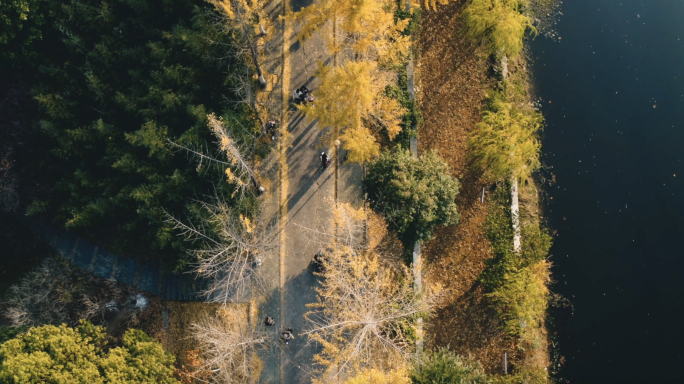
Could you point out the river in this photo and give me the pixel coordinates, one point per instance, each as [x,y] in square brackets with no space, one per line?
[613,96]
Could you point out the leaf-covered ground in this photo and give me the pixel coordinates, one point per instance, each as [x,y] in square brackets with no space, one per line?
[453,81]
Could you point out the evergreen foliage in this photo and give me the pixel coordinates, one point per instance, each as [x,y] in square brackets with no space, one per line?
[501,23]
[414,195]
[119,81]
[50,354]
[445,367]
[506,142]
[20,27]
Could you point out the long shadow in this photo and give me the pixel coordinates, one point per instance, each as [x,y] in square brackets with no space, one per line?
[292,202]
[298,354]
[296,365]
[297,5]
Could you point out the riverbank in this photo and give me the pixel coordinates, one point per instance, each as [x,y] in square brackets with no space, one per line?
[456,77]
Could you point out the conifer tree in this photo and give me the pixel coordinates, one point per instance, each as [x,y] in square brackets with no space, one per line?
[413,194]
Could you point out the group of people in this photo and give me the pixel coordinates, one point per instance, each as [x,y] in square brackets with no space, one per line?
[302,94]
[286,335]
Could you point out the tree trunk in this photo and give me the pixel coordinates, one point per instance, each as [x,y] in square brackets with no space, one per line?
[252,48]
[515,214]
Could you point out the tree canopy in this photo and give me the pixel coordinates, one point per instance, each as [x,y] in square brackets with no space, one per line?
[20,27]
[413,194]
[116,82]
[374,376]
[505,143]
[350,98]
[50,354]
[499,22]
[372,24]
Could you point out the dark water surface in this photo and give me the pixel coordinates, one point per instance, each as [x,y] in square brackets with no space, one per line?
[613,97]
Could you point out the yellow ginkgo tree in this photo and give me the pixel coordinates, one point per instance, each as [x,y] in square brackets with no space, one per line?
[351,99]
[366,26]
[500,23]
[506,145]
[366,40]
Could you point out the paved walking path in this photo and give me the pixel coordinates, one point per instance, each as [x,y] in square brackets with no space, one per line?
[303,200]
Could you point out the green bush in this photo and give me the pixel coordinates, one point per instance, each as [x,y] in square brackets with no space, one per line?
[50,354]
[414,195]
[445,367]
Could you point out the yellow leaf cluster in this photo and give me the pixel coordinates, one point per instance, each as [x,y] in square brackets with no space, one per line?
[374,376]
[351,99]
[371,22]
[500,22]
[506,142]
[231,8]
[247,223]
[432,4]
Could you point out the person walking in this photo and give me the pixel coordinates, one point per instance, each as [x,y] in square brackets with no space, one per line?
[287,335]
[271,129]
[324,159]
[269,321]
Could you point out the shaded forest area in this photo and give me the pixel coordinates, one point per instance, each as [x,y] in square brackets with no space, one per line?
[91,94]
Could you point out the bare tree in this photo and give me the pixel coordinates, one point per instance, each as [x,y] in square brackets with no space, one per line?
[227,346]
[38,298]
[229,249]
[366,311]
[56,292]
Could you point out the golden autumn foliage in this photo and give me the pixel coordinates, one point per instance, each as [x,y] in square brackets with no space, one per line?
[522,299]
[247,12]
[370,23]
[351,99]
[351,96]
[374,376]
[506,142]
[238,170]
[501,23]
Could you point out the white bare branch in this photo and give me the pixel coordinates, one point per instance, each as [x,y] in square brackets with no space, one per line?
[227,343]
[366,310]
[228,256]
